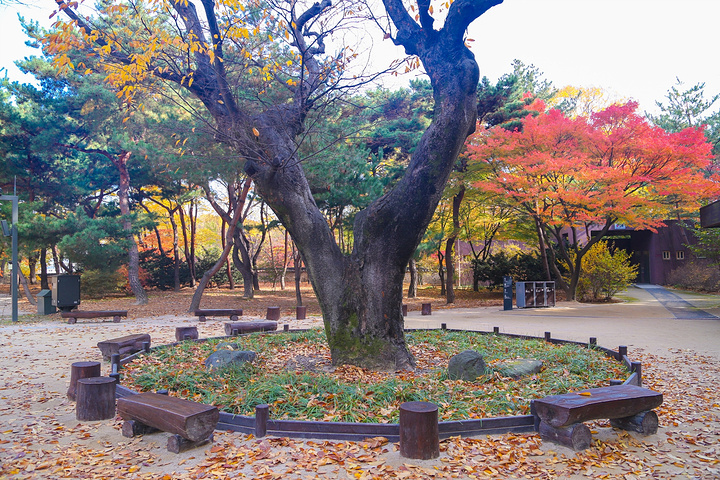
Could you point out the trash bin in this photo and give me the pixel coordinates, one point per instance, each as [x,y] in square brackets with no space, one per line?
[65,291]
[44,303]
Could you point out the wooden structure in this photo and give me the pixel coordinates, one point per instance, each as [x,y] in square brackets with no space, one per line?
[123,346]
[630,406]
[95,399]
[426,309]
[186,333]
[419,432]
[72,316]
[190,423]
[238,328]
[80,370]
[233,313]
[301,312]
[273,313]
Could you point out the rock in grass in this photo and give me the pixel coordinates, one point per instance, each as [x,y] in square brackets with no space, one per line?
[518,368]
[467,365]
[223,358]
[228,346]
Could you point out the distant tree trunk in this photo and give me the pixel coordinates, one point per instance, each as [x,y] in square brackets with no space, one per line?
[120,162]
[441,270]
[32,264]
[58,263]
[24,283]
[197,296]
[286,262]
[228,267]
[43,270]
[450,245]
[258,248]
[412,289]
[542,245]
[157,232]
[188,255]
[176,251]
[243,263]
[297,265]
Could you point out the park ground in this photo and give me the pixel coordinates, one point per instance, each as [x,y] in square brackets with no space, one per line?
[40,437]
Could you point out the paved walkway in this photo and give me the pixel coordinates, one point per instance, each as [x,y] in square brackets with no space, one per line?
[652,318]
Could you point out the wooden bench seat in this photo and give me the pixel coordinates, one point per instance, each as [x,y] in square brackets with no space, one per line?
[233,313]
[238,328]
[72,316]
[190,423]
[123,346]
[627,406]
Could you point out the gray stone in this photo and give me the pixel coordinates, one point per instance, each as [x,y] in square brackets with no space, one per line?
[467,365]
[228,346]
[222,358]
[518,368]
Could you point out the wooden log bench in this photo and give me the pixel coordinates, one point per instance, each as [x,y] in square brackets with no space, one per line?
[233,313]
[72,316]
[238,328]
[628,407]
[123,346]
[190,424]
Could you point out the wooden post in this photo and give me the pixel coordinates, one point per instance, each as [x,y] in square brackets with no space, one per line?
[615,382]
[115,362]
[115,376]
[443,326]
[592,342]
[547,336]
[622,352]
[146,347]
[262,414]
[496,330]
[426,309]
[186,333]
[80,370]
[273,313]
[419,431]
[404,309]
[95,399]
[286,327]
[636,367]
[301,312]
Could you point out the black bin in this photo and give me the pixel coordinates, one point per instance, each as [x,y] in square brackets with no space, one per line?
[66,291]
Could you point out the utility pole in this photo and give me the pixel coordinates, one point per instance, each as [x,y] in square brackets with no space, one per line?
[13,232]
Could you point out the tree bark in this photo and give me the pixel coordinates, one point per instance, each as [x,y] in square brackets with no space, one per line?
[297,265]
[120,162]
[44,285]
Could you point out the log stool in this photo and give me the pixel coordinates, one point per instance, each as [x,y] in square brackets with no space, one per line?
[95,398]
[426,309]
[419,431]
[186,333]
[301,312]
[273,313]
[80,370]
[404,309]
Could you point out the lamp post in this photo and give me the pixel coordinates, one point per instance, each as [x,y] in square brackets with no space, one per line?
[15,277]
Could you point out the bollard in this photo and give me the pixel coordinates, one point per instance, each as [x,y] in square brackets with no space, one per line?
[80,370]
[301,312]
[262,413]
[426,309]
[273,313]
[419,431]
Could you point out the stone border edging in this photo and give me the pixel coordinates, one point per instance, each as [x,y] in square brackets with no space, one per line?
[347,431]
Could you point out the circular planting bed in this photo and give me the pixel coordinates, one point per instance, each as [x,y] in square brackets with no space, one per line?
[292,373]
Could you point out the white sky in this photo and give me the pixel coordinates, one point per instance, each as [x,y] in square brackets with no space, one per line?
[632,48]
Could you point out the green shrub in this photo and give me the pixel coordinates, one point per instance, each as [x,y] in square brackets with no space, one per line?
[605,272]
[99,283]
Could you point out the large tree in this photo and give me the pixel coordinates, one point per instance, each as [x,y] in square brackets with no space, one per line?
[219,55]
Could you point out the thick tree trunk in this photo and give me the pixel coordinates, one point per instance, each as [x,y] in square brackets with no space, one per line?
[412,289]
[120,162]
[441,270]
[241,259]
[228,264]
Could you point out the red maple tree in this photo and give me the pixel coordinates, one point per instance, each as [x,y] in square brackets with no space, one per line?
[573,174]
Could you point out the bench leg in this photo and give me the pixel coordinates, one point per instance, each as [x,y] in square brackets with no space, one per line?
[202,318]
[116,319]
[72,320]
[644,422]
[133,428]
[177,444]
[576,436]
[233,318]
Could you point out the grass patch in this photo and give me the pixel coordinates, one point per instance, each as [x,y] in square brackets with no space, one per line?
[293,374]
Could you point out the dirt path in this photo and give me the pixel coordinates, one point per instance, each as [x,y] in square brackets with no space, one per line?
[40,438]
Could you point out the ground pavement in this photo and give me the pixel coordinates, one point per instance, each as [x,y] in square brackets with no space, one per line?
[676,336]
